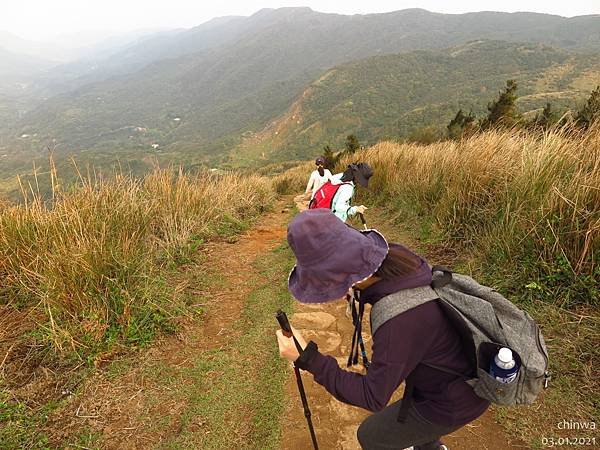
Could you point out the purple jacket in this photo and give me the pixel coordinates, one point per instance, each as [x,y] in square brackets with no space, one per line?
[400,346]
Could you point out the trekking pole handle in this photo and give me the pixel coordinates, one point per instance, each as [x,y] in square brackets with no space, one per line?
[362,219]
[284,323]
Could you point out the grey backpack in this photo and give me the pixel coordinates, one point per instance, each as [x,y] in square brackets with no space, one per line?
[485,321]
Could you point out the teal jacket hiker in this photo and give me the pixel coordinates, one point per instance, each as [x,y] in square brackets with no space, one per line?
[340,204]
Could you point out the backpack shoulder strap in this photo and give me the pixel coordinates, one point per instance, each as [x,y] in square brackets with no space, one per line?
[440,281]
[399,302]
[337,188]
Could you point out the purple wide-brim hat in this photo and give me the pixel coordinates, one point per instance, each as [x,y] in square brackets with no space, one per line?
[330,256]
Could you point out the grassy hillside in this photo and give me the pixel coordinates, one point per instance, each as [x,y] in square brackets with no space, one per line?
[101,271]
[393,96]
[234,76]
[91,273]
[519,201]
[99,254]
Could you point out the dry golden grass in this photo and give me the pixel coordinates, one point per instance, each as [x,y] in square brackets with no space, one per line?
[511,196]
[89,260]
[293,180]
[192,205]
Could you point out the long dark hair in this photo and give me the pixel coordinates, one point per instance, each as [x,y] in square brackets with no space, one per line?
[398,262]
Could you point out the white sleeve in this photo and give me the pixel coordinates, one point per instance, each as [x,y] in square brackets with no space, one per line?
[337,178]
[311,182]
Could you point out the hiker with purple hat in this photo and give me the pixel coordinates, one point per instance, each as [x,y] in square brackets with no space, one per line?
[420,343]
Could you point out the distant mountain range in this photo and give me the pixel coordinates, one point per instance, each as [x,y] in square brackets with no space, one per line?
[211,94]
[40,50]
[15,66]
[69,47]
[391,96]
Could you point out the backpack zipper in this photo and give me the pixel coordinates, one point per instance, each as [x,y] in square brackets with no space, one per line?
[547,376]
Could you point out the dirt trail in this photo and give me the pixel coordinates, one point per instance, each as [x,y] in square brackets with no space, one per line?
[335,422]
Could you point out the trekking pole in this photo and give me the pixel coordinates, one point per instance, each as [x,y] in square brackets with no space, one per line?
[362,219]
[360,343]
[287,332]
[366,363]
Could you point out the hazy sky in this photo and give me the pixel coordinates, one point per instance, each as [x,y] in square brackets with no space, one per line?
[39,19]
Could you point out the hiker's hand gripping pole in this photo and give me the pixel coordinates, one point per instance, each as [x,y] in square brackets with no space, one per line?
[286,329]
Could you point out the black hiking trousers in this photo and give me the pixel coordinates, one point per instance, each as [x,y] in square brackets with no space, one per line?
[383,431]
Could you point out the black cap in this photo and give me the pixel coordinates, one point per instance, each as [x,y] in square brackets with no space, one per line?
[361,173]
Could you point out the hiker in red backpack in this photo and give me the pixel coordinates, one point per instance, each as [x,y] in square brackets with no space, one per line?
[318,177]
[421,344]
[337,195]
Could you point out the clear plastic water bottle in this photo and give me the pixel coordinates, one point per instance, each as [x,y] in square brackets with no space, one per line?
[503,367]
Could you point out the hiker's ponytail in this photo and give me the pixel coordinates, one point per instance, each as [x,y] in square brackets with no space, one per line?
[320,162]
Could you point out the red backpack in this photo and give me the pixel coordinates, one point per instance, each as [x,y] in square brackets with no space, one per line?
[324,196]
